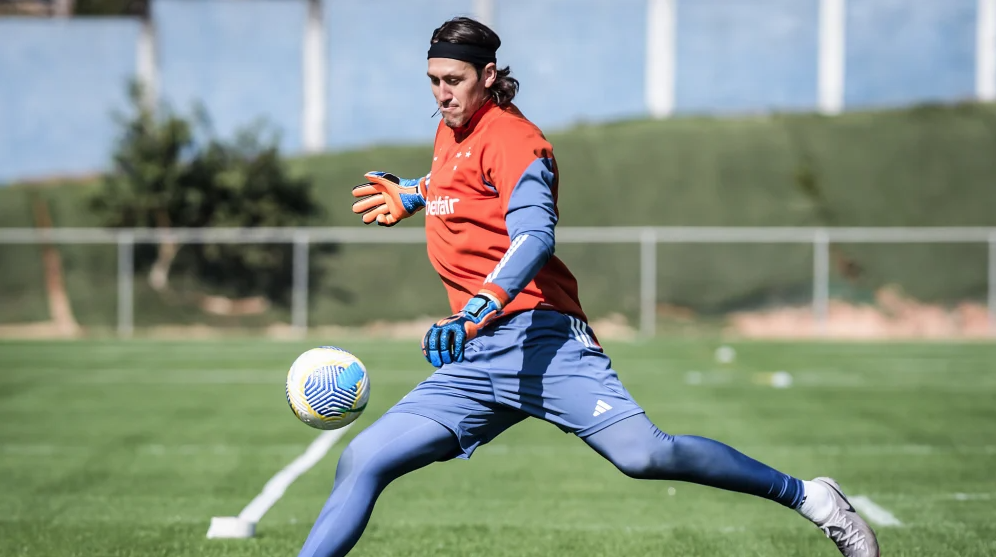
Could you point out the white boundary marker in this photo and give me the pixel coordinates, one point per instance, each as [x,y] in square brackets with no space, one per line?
[244,525]
[873,512]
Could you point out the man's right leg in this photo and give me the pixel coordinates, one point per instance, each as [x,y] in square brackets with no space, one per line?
[394,445]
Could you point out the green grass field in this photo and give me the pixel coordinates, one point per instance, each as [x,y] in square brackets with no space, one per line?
[128,449]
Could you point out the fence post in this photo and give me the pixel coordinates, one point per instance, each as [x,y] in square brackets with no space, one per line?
[648,283]
[992,282]
[299,294]
[821,279]
[126,284]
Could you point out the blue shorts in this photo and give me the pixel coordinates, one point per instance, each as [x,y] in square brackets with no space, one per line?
[543,364]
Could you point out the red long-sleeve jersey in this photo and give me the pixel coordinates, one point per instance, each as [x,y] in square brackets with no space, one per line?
[492,192]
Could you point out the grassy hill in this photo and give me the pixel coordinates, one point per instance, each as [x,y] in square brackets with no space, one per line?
[923,166]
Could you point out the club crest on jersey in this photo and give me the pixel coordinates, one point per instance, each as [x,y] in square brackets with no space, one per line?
[441,205]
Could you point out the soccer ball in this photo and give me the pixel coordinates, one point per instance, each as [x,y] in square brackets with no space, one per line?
[327,387]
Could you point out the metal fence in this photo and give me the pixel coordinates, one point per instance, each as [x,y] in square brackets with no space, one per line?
[648,238]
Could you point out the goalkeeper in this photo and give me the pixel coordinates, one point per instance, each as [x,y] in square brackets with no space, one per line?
[518,344]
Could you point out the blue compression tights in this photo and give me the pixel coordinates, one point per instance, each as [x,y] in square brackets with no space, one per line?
[400,443]
[391,447]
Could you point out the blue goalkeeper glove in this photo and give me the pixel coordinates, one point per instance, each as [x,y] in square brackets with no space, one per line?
[444,342]
[388,199]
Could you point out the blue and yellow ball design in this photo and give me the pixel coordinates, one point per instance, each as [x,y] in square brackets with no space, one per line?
[327,387]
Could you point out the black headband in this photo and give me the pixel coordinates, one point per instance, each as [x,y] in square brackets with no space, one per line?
[476,55]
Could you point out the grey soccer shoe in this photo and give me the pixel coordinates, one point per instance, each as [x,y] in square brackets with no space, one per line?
[853,536]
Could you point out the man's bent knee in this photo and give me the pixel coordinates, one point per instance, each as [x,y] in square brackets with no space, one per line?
[636,463]
[643,462]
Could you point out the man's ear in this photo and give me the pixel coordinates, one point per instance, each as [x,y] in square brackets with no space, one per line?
[490,74]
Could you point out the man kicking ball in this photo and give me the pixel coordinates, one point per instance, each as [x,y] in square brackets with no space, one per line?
[518,344]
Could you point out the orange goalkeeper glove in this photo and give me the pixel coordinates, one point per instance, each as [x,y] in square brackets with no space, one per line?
[388,199]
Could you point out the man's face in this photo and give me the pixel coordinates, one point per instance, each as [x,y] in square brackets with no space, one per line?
[458,90]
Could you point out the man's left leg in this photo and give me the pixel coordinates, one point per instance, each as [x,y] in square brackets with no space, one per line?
[640,450]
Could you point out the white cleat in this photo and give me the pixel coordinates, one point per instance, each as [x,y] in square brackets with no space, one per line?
[853,536]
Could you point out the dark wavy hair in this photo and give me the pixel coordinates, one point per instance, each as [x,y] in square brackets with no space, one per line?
[464,30]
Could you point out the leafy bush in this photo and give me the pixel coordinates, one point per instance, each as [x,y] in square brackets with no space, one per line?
[171,172]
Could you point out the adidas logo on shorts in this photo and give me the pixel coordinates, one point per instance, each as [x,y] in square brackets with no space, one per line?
[601,407]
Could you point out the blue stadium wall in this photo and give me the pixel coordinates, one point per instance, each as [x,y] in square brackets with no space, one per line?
[60,84]
[578,61]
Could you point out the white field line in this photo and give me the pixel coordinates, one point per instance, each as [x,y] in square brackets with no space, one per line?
[278,484]
[873,512]
[907,498]
[973,496]
[839,379]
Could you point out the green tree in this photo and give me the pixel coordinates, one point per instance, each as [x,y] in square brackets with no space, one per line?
[171,172]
